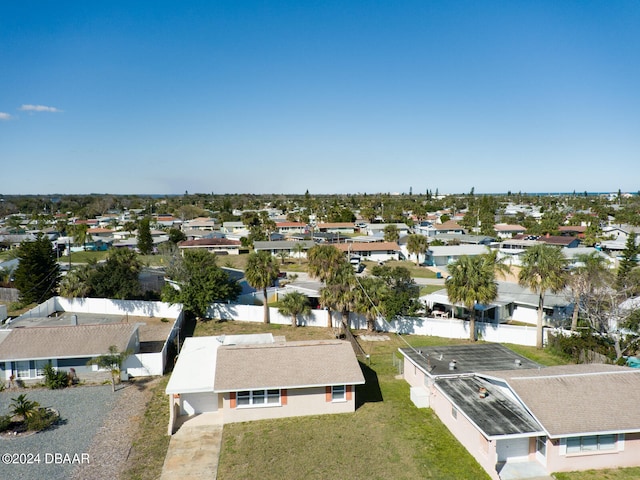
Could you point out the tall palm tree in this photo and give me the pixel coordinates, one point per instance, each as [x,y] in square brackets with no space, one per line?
[324,261]
[472,280]
[543,269]
[294,304]
[261,271]
[417,245]
[368,299]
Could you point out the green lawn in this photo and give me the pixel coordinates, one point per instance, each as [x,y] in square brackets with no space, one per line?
[427,289]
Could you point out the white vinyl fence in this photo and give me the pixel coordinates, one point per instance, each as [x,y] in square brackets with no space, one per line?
[448,328]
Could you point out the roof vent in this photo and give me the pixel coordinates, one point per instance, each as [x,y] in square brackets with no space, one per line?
[518,362]
[452,365]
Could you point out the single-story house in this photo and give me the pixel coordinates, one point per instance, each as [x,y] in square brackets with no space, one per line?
[68,331]
[449,227]
[219,246]
[287,228]
[515,416]
[504,230]
[377,229]
[514,302]
[24,352]
[336,227]
[253,377]
[557,240]
[289,246]
[374,251]
[441,256]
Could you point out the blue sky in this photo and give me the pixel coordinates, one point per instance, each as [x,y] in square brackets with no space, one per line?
[330,96]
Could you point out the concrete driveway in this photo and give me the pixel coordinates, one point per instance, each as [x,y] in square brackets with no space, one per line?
[194,449]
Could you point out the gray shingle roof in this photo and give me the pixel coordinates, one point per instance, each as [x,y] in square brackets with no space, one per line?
[286,365]
[580,399]
[65,342]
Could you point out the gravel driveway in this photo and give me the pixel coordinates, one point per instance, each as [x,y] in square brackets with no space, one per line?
[95,422]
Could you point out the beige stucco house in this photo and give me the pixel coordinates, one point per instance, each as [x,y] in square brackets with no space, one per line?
[514,416]
[253,377]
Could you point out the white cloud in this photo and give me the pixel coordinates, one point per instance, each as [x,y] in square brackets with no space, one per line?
[5,116]
[38,108]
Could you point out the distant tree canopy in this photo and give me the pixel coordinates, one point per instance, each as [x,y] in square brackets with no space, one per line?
[37,275]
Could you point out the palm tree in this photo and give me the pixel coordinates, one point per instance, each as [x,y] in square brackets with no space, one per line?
[294,304]
[261,271]
[391,233]
[472,281]
[543,269]
[590,274]
[21,407]
[417,244]
[77,283]
[368,299]
[298,248]
[324,261]
[111,361]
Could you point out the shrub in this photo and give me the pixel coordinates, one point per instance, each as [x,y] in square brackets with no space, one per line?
[41,419]
[55,379]
[3,385]
[5,422]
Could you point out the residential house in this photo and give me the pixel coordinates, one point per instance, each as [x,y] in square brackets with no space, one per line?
[339,227]
[377,229]
[449,227]
[68,332]
[24,352]
[504,230]
[375,251]
[441,256]
[290,247]
[509,412]
[288,228]
[241,378]
[219,246]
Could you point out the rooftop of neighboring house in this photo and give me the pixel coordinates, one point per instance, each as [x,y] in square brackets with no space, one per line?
[448,360]
[367,247]
[208,242]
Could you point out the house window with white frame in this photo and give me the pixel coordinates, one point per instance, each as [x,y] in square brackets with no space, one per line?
[591,443]
[23,369]
[339,393]
[258,398]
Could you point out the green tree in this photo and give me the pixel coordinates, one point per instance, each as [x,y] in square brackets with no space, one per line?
[417,245]
[543,269]
[402,296]
[339,292]
[628,262]
[294,304]
[261,271]
[118,276]
[590,274]
[77,282]
[38,274]
[176,235]
[391,233]
[198,282]
[472,281]
[111,361]
[324,261]
[145,241]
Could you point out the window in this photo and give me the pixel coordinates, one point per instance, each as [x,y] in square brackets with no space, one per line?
[338,393]
[257,398]
[40,364]
[22,369]
[591,443]
[541,446]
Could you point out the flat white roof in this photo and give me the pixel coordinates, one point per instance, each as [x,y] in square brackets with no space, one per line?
[195,369]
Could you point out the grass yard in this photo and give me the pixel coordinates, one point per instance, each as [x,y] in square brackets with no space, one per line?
[427,289]
[416,271]
[632,473]
[150,446]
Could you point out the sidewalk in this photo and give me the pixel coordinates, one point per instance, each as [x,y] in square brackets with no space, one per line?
[194,449]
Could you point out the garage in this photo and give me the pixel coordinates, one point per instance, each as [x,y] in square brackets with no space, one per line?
[513,450]
[192,403]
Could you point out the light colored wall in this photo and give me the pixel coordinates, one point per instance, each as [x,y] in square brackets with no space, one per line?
[483,450]
[627,455]
[300,402]
[448,328]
